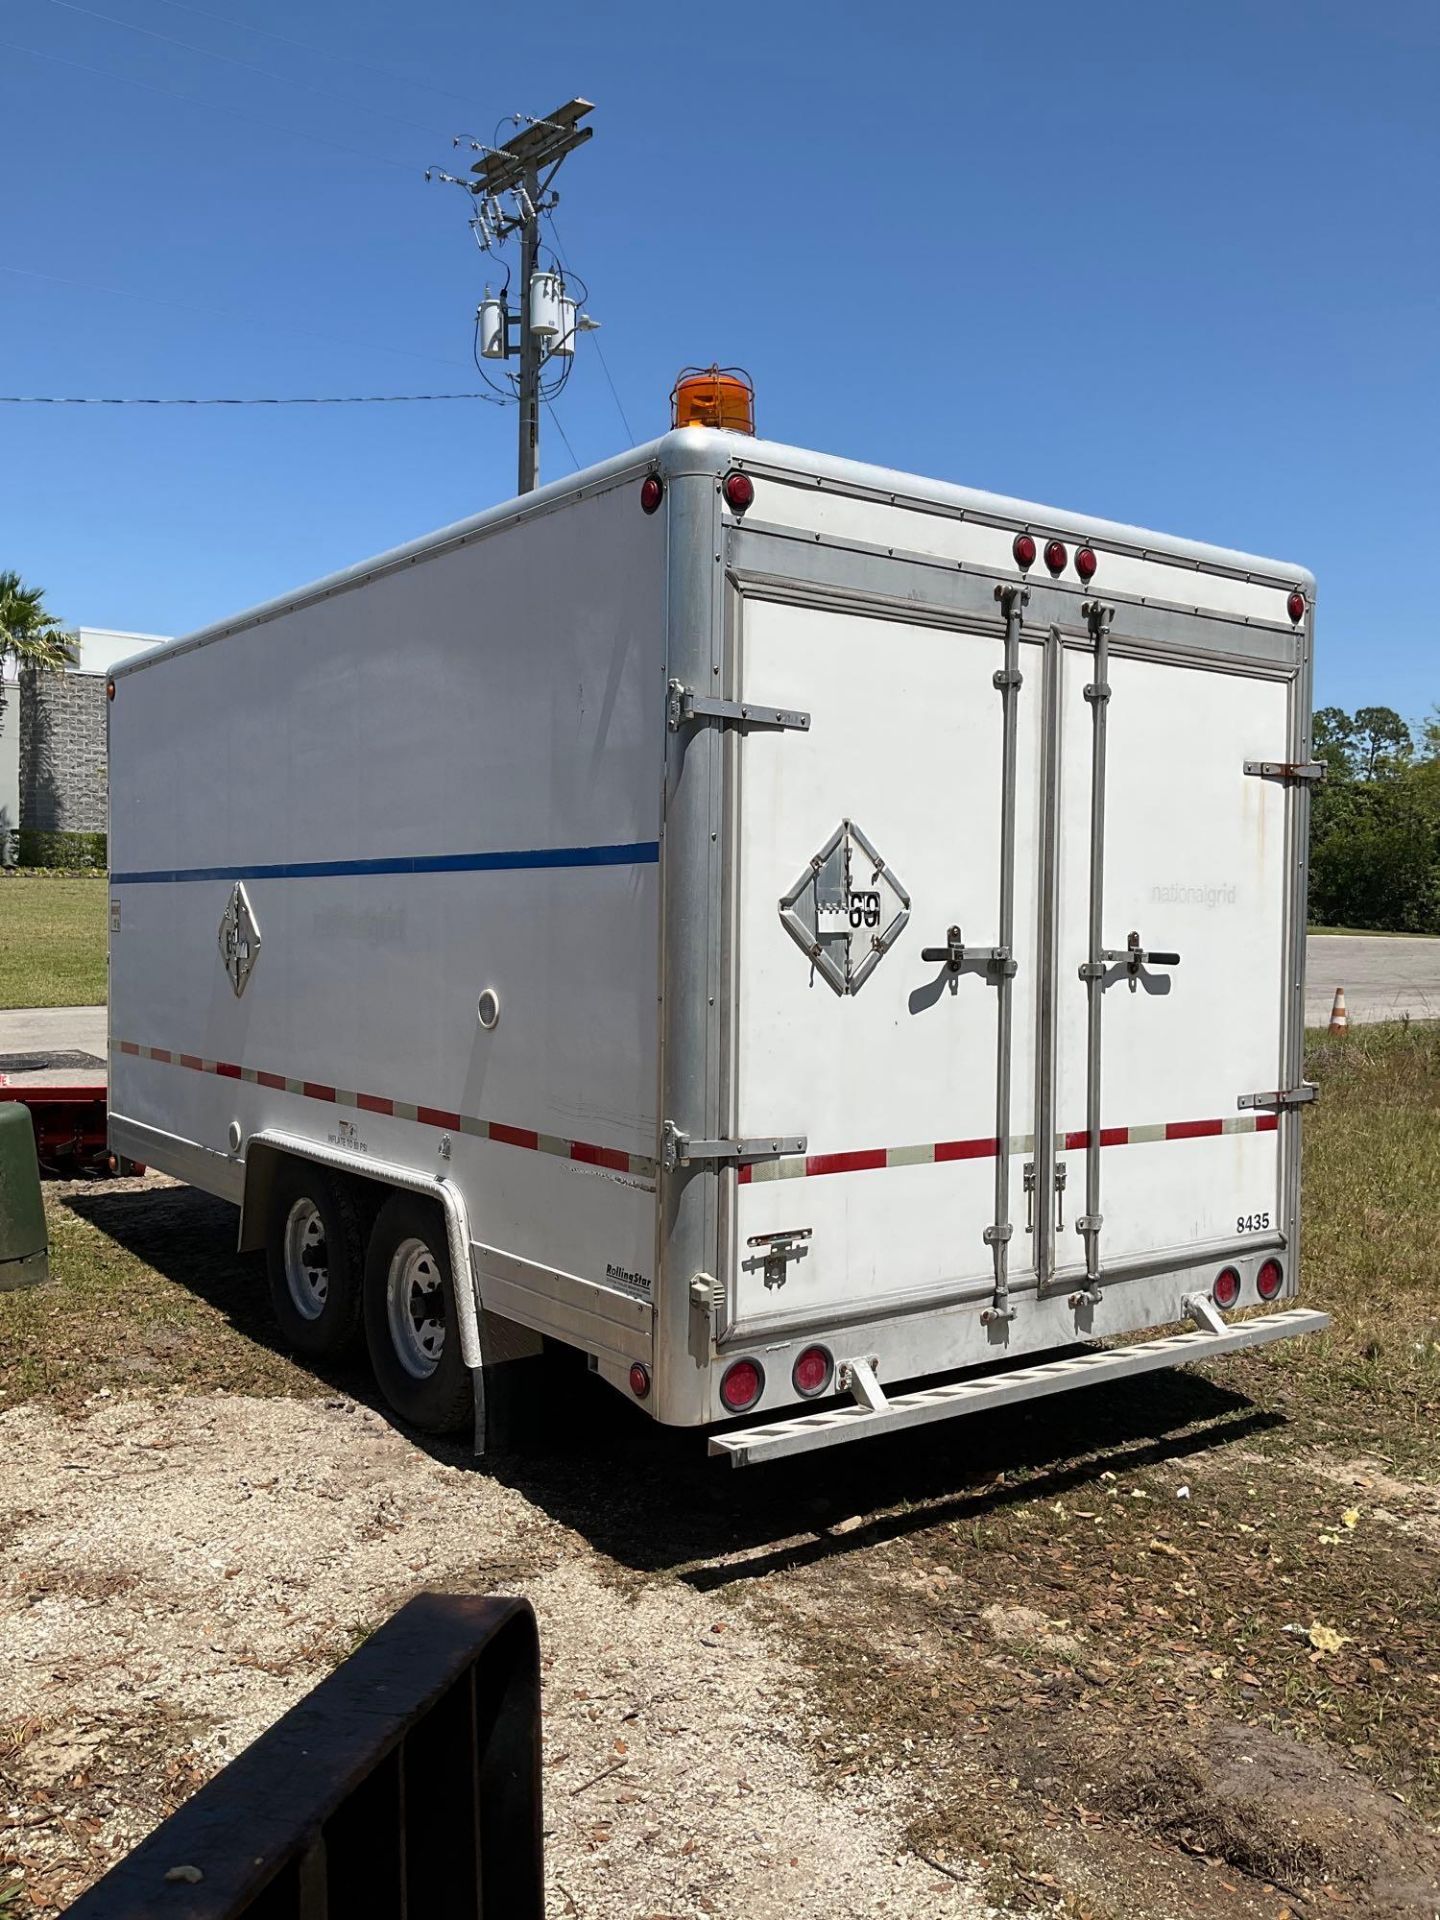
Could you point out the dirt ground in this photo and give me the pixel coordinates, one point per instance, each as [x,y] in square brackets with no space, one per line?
[193,1565]
[1167,1651]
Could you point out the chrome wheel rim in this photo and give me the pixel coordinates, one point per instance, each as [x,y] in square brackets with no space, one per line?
[415,1308]
[307,1260]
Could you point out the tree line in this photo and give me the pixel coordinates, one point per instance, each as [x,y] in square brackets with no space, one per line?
[1375,822]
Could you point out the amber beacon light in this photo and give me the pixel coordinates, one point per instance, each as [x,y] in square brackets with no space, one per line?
[714,397]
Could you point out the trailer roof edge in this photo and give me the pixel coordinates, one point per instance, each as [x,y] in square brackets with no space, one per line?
[700,451]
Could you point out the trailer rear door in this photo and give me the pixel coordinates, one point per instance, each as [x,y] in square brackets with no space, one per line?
[867,838]
[1192,861]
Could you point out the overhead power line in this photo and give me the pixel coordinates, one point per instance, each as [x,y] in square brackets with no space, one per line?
[244,315]
[239,400]
[600,351]
[563,435]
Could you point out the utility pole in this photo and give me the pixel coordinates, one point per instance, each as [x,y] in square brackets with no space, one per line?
[529,476]
[522,171]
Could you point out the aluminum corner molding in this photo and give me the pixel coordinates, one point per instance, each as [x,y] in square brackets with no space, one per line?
[691,853]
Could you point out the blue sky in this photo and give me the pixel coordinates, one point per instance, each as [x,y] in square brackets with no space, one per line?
[1169,264]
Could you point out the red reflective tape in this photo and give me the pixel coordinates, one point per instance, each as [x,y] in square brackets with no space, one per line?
[1267,1122]
[192,1060]
[1109,1137]
[1077,1142]
[227,1070]
[591,1156]
[514,1136]
[1192,1129]
[863,1160]
[435,1117]
[276,1080]
[128,1046]
[162,1054]
[966,1149]
[317,1092]
[374,1103]
[745,1175]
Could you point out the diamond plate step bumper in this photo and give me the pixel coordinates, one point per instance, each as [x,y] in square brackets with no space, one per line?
[828,1428]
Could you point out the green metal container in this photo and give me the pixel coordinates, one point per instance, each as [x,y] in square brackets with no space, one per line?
[24,1243]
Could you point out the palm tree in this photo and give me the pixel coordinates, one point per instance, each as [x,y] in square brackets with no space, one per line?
[29,634]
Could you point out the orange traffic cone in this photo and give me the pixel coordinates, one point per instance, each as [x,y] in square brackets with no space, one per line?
[1339,1013]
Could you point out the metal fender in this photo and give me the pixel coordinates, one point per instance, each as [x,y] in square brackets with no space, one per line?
[263,1150]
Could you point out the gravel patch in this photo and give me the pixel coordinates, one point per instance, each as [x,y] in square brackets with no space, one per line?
[177,1572]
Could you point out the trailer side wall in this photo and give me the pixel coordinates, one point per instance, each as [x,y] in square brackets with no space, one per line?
[443,779]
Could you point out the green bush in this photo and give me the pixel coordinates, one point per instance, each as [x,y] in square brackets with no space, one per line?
[1375,823]
[73,851]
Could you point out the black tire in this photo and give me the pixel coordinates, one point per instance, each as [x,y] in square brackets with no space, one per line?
[410,1324]
[314,1231]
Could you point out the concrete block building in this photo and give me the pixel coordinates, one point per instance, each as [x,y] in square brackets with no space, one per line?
[53,775]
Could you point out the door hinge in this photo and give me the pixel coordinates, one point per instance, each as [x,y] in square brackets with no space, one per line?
[1314,770]
[686,706]
[677,1149]
[1300,1096]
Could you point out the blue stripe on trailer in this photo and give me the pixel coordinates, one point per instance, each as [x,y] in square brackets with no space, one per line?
[637,853]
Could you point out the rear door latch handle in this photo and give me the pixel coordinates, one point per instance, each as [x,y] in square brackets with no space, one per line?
[955,953]
[1132,956]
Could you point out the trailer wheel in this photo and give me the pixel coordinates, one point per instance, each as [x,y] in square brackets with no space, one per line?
[313,1254]
[410,1317]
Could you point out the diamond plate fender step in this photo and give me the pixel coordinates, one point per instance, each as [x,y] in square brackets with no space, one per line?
[833,1425]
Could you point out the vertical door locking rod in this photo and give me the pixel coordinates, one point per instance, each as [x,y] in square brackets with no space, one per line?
[1007,681]
[1097,693]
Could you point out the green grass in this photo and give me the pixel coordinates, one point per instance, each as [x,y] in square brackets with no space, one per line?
[146,1293]
[1370,1253]
[52,940]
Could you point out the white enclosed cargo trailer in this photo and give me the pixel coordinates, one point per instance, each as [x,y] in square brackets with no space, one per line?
[793,932]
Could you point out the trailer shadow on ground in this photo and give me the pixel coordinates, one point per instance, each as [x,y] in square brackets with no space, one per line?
[654,1501]
[651,1498]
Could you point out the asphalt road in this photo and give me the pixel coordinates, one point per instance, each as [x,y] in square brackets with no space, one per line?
[1385,978]
[32,1036]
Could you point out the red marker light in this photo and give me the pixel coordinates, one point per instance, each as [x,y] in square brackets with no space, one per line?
[639,1380]
[811,1374]
[1269,1280]
[1024,550]
[1295,606]
[1226,1290]
[739,490]
[1056,556]
[742,1385]
[109,689]
[1086,563]
[652,492]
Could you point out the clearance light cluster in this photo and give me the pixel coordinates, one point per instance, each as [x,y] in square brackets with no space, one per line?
[743,1381]
[737,487]
[1269,1282]
[1057,557]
